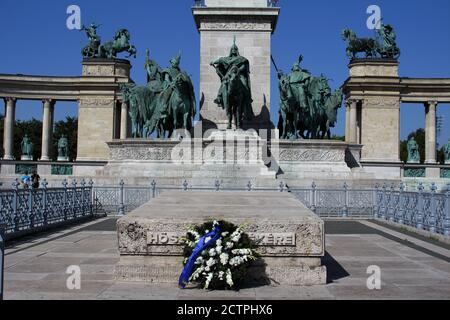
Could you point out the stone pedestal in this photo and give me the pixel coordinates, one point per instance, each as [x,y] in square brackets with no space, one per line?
[63,159]
[96,112]
[232,157]
[379,114]
[252,23]
[293,238]
[26,158]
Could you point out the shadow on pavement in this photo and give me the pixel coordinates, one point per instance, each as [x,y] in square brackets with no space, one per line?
[334,270]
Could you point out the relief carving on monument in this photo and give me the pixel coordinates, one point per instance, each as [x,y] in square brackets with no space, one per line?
[98,70]
[381,102]
[247,26]
[132,238]
[312,155]
[142,153]
[96,103]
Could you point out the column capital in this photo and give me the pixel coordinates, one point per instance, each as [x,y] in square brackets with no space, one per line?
[433,103]
[10,99]
[48,101]
[353,101]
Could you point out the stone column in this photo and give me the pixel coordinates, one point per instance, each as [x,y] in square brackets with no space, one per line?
[430,133]
[47,129]
[347,121]
[353,130]
[124,121]
[8,143]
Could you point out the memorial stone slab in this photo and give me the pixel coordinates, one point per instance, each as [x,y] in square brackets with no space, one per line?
[289,237]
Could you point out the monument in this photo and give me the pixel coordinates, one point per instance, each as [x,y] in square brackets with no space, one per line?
[27,149]
[127,130]
[308,108]
[251,23]
[447,152]
[413,151]
[290,238]
[63,149]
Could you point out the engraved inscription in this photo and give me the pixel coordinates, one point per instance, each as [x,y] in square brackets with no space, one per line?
[261,239]
[165,239]
[273,239]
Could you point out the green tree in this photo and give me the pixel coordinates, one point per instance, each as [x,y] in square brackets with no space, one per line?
[338,138]
[419,136]
[441,156]
[68,127]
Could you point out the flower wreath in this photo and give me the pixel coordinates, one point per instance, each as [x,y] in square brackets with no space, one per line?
[217,256]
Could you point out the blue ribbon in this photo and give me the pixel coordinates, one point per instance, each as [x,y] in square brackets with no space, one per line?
[201,245]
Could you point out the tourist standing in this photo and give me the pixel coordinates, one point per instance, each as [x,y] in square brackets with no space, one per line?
[35,180]
[26,181]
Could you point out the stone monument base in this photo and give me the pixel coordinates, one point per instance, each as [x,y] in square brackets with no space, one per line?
[234,158]
[291,237]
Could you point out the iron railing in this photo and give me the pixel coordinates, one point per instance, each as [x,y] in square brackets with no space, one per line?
[420,209]
[23,210]
[2,258]
[423,210]
[343,202]
[28,210]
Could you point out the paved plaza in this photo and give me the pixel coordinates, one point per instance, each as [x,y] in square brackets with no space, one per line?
[411,267]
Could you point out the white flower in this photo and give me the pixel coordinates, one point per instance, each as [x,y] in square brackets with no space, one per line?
[224,234]
[208,279]
[195,234]
[229,278]
[224,258]
[236,236]
[206,231]
[215,223]
[229,245]
[207,239]
[212,252]
[196,274]
[199,260]
[221,274]
[242,251]
[211,262]
[219,242]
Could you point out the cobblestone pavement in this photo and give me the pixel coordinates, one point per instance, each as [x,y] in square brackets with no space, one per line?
[410,268]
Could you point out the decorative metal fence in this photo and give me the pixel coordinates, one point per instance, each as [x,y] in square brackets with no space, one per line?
[423,210]
[343,202]
[2,258]
[27,210]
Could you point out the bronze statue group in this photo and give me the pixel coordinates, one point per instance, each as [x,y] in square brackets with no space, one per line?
[308,107]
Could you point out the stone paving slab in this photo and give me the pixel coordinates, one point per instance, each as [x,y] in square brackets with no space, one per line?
[38,272]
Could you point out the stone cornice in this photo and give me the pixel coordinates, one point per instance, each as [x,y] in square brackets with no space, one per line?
[58,88]
[250,16]
[409,90]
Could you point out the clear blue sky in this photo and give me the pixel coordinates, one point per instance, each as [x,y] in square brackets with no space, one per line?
[35,40]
